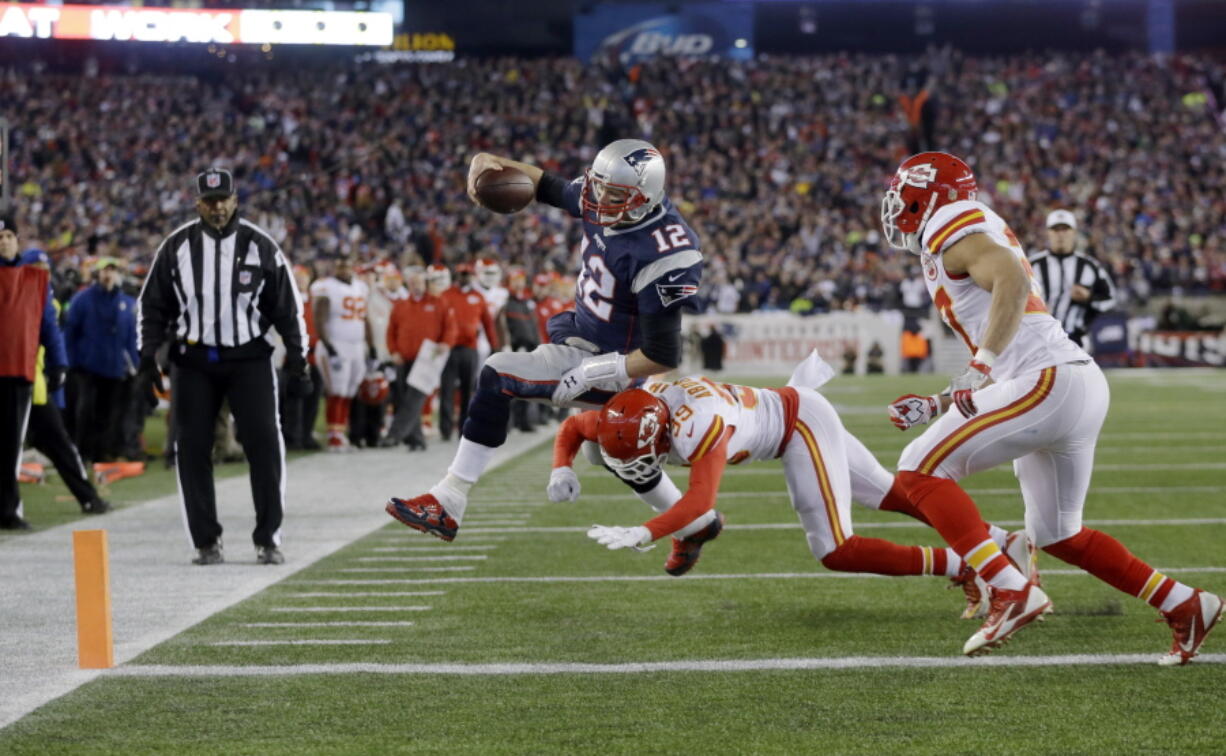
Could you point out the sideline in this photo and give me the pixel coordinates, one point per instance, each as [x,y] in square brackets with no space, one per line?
[156,593]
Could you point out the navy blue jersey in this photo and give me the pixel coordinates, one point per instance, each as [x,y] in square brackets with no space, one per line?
[649,268]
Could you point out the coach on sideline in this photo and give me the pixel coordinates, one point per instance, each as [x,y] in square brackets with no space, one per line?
[215,287]
[1076,287]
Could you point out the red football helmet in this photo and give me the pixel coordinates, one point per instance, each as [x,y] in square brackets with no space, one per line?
[374,389]
[633,435]
[923,183]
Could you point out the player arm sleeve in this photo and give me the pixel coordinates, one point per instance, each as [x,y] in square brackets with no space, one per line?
[572,434]
[705,474]
[554,190]
[662,337]
[156,306]
[282,305]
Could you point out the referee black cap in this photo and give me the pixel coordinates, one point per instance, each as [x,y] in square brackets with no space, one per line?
[8,222]
[215,182]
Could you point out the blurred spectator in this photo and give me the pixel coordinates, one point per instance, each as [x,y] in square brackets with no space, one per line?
[875,365]
[100,334]
[460,374]
[518,330]
[914,348]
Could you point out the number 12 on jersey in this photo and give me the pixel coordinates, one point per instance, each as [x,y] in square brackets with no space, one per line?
[596,285]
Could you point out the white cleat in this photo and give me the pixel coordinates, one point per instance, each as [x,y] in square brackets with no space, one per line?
[1009,612]
[1190,622]
[1025,557]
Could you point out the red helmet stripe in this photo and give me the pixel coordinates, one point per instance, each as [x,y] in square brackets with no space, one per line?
[709,439]
[961,221]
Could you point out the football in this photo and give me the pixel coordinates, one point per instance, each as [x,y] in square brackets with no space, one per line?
[505,190]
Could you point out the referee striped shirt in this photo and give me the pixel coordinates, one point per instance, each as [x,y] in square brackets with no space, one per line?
[222,289]
[1058,274]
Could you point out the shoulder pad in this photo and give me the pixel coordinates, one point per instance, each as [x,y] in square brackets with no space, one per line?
[952,222]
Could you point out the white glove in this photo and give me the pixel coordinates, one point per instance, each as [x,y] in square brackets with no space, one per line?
[977,375]
[563,485]
[605,370]
[637,538]
[910,410]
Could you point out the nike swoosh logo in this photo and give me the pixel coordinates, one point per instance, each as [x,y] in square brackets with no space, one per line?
[674,278]
[1188,647]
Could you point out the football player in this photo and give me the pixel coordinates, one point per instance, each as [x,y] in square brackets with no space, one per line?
[345,343]
[641,262]
[487,280]
[1029,396]
[707,425]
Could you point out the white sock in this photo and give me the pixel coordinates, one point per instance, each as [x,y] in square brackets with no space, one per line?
[663,496]
[953,563]
[469,463]
[696,525]
[998,535]
[1179,594]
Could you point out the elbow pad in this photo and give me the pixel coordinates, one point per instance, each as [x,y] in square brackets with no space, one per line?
[662,338]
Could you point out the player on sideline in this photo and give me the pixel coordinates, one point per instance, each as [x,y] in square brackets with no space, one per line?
[641,260]
[1029,395]
[345,342]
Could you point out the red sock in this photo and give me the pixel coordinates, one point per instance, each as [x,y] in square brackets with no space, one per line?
[344,404]
[896,501]
[954,515]
[333,412]
[1111,562]
[859,554]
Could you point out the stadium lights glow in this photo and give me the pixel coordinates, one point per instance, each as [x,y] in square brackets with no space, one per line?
[238,26]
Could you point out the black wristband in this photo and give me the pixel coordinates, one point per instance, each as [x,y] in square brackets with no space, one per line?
[662,337]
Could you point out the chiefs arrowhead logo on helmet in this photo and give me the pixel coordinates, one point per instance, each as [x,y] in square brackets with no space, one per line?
[374,389]
[923,184]
[633,436]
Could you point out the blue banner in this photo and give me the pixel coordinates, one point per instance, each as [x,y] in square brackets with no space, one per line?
[637,32]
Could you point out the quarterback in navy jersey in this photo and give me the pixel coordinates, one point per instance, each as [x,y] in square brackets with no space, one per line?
[641,262]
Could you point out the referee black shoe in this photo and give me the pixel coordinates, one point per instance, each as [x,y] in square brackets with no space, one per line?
[269,555]
[209,555]
[96,506]
[14,523]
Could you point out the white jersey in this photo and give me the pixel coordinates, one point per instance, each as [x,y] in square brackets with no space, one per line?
[701,410]
[346,309]
[1040,341]
[495,298]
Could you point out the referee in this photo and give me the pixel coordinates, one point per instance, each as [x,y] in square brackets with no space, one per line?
[1076,287]
[215,288]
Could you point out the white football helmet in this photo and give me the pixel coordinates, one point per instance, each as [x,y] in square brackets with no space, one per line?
[624,184]
[489,272]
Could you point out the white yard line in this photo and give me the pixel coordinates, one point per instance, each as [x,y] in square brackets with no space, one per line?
[361,594]
[407,569]
[736,471]
[696,665]
[398,623]
[440,558]
[692,576]
[292,609]
[302,643]
[1094,491]
[423,549]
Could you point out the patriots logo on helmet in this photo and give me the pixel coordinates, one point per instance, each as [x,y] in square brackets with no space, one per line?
[670,293]
[639,158]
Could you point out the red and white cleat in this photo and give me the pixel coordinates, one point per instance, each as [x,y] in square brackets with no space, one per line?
[424,513]
[974,589]
[1008,612]
[686,550]
[1190,622]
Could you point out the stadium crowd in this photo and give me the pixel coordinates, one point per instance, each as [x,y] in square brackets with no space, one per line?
[779,163]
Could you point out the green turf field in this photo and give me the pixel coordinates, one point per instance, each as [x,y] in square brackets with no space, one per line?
[757,595]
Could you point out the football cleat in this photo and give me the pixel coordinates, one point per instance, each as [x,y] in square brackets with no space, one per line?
[686,550]
[424,513]
[1025,557]
[1190,622]
[974,589]
[1008,612]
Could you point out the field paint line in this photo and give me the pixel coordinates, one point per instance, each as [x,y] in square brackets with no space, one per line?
[302,643]
[287,609]
[361,594]
[696,665]
[439,558]
[423,549]
[1094,491]
[498,522]
[407,569]
[396,623]
[691,577]
[1112,467]
[907,523]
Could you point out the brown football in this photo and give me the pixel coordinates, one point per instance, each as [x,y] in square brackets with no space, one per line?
[505,190]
